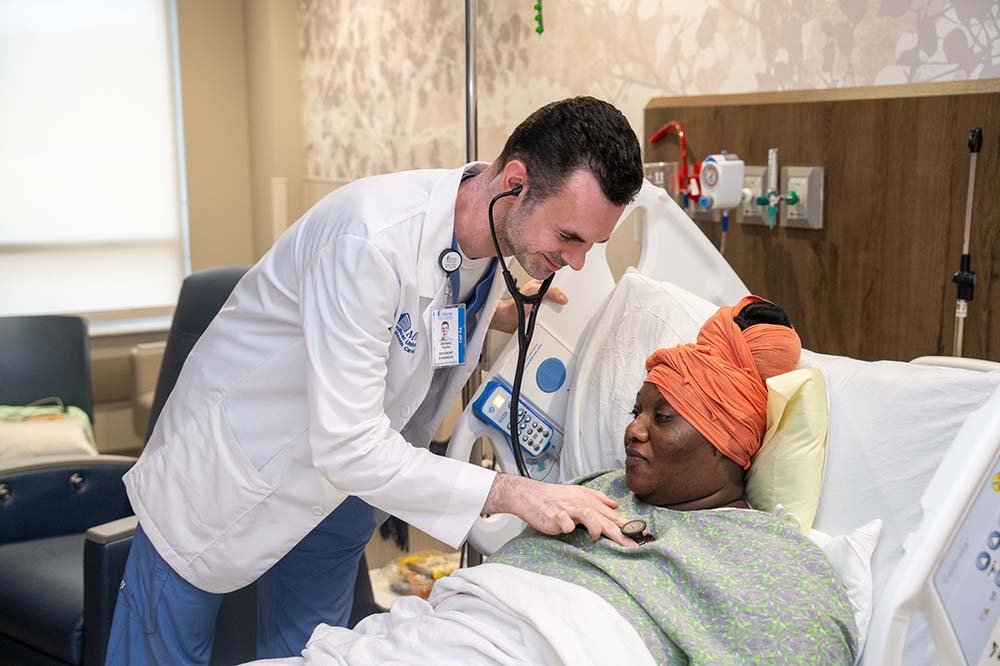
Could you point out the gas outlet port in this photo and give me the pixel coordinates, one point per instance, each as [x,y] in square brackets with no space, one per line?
[755,180]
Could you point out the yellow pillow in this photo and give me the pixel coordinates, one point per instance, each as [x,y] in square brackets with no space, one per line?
[788,469]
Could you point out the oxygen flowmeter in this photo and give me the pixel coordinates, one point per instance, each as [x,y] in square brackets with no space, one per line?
[721,181]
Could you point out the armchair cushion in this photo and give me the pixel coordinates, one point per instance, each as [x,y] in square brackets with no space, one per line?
[42,601]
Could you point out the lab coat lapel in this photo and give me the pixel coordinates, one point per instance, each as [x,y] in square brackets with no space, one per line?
[439,225]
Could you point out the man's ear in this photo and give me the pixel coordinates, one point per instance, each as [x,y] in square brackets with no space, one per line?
[515,174]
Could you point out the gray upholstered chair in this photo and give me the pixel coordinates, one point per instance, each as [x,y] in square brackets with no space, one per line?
[53,611]
[58,583]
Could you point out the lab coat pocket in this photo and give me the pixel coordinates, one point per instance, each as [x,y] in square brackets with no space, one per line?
[268,408]
[204,484]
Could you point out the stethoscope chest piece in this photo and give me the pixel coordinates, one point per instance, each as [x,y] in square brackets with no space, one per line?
[634,529]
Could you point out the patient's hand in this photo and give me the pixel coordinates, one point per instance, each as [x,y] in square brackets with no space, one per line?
[557,509]
[505,317]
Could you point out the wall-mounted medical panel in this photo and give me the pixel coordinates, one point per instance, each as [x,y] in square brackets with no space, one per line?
[803,204]
[755,182]
[871,277]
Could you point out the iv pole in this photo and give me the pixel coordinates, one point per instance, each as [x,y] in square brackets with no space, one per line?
[471,151]
[471,155]
[965,278]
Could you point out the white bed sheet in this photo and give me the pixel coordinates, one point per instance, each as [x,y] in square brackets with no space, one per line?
[489,614]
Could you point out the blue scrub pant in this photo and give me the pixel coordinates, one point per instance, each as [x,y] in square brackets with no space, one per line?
[160,618]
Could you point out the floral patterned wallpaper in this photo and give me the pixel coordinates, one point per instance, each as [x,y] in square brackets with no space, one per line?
[384,81]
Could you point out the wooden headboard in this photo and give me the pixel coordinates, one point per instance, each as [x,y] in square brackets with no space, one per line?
[875,282]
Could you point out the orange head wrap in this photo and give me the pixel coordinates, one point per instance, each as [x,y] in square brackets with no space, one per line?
[717,384]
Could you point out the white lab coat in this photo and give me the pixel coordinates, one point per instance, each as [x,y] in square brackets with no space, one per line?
[297,394]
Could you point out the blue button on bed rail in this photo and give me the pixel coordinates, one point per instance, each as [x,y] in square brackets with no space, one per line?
[551,375]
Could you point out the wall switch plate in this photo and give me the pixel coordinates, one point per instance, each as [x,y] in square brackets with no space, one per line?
[755,180]
[807,182]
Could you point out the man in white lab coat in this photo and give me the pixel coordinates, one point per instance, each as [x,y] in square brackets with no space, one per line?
[312,396]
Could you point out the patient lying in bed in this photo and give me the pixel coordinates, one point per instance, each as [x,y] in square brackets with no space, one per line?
[717,583]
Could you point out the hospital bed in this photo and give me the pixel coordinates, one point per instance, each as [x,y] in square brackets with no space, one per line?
[915,445]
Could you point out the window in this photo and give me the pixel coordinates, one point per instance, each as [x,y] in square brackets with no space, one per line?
[91,194]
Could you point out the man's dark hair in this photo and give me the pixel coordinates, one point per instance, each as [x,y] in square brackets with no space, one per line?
[577,133]
[761,312]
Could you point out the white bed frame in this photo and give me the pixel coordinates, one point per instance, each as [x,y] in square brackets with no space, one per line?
[941,555]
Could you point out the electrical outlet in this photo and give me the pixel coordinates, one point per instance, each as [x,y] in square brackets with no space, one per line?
[807,183]
[755,180]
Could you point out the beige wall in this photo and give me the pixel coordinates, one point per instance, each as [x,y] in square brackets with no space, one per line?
[216,131]
[275,97]
[383,81]
[240,73]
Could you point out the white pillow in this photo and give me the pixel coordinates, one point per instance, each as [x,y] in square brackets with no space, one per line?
[640,316]
[851,557]
[890,425]
[24,434]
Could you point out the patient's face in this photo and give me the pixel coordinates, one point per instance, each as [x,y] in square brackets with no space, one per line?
[667,461]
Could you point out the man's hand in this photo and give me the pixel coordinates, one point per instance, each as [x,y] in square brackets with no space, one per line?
[557,509]
[505,318]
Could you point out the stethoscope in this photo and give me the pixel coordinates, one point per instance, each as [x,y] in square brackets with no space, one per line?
[635,530]
[525,329]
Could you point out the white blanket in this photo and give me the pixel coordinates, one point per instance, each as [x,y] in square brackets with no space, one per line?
[490,614]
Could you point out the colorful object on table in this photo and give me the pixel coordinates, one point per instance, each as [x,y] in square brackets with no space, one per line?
[415,573]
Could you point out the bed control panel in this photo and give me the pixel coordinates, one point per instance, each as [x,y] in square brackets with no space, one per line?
[968,579]
[537,436]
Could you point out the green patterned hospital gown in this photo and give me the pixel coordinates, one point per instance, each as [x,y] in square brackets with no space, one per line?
[715,587]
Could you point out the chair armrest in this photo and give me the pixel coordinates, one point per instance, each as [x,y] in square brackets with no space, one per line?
[35,463]
[105,553]
[55,495]
[113,531]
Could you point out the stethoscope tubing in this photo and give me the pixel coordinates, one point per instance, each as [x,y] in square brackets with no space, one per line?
[525,331]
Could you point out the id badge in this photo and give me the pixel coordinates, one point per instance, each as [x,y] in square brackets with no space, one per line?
[448,336]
